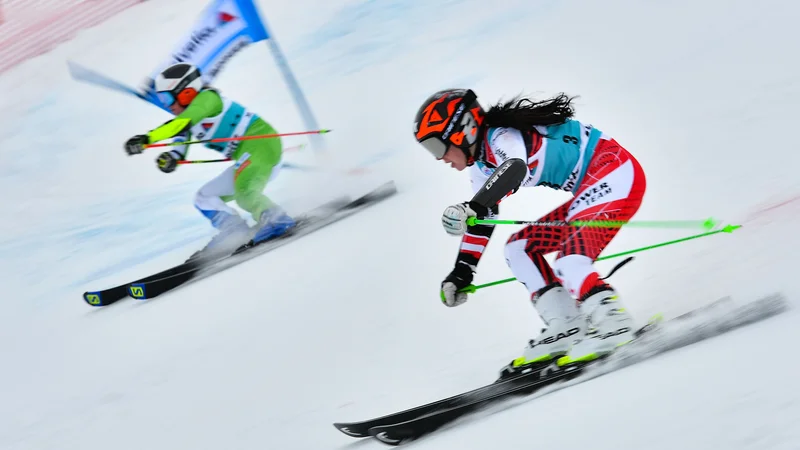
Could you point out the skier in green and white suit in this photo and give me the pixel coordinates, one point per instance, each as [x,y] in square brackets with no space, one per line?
[201,113]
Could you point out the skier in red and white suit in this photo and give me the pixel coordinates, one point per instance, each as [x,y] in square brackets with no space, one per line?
[561,153]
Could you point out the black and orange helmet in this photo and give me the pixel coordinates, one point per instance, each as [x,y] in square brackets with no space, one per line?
[449,117]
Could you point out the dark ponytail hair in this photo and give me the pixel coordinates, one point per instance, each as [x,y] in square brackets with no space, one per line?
[524,113]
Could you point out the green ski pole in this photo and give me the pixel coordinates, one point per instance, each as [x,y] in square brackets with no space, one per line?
[727,229]
[707,224]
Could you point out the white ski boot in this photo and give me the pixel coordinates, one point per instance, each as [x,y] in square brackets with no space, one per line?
[233,232]
[564,324]
[609,326]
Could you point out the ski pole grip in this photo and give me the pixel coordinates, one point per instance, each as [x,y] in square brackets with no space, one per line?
[469,289]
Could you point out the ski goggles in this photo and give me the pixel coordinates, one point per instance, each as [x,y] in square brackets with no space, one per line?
[166,98]
[183,98]
[436,146]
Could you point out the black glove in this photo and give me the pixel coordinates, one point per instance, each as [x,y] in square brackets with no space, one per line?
[136,144]
[168,161]
[458,279]
[481,211]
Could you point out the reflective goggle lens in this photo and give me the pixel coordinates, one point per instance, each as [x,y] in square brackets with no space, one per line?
[435,146]
[166,98]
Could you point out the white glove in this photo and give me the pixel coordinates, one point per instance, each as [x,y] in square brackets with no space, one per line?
[450,295]
[454,218]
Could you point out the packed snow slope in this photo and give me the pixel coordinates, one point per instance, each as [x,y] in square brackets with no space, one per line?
[346,323]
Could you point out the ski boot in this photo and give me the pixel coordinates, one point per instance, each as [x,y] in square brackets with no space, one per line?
[273,223]
[564,324]
[233,232]
[609,327]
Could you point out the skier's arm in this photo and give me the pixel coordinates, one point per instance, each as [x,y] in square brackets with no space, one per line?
[475,240]
[477,237]
[207,104]
[490,188]
[509,154]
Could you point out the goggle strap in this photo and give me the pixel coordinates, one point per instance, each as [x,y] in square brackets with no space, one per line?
[468,99]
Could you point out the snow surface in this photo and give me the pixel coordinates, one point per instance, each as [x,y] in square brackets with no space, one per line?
[346,323]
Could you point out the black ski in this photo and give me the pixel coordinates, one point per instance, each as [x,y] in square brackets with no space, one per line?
[399,433]
[534,377]
[192,269]
[112,295]
[161,281]
[169,279]
[705,322]
[361,429]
